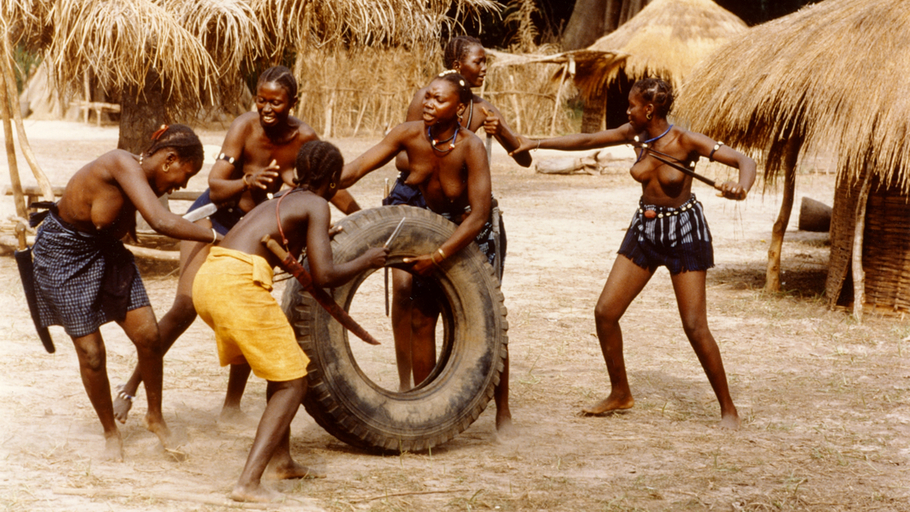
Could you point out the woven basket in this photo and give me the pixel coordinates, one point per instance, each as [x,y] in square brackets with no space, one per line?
[886,250]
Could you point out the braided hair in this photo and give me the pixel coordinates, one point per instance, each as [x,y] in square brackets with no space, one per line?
[465,95]
[317,161]
[457,49]
[281,76]
[182,139]
[657,92]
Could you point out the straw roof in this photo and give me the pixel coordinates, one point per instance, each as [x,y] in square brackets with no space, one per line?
[202,45]
[831,73]
[666,38]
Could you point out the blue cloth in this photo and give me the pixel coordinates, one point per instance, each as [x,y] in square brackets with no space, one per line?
[222,220]
[402,193]
[677,238]
[83,280]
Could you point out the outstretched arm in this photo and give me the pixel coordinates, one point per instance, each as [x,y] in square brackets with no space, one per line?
[137,189]
[375,157]
[494,124]
[579,141]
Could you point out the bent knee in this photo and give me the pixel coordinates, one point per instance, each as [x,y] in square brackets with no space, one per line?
[604,313]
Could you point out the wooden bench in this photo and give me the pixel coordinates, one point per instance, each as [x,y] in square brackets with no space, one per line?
[98,107]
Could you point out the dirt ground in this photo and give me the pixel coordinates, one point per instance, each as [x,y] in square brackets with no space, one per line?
[825,401]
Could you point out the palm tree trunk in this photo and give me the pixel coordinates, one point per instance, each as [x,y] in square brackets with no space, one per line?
[15,182]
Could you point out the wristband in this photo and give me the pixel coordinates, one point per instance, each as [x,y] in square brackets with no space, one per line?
[246,184]
[441,253]
[214,236]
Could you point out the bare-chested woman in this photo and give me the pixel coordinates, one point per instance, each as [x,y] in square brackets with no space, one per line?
[467,56]
[449,168]
[668,229]
[85,277]
[256,159]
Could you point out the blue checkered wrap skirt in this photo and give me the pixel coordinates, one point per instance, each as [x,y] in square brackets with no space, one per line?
[677,238]
[83,280]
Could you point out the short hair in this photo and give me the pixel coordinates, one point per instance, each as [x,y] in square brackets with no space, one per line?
[657,92]
[457,48]
[465,95]
[281,76]
[317,161]
[182,139]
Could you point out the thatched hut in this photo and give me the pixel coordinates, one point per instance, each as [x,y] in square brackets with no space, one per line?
[826,81]
[667,38]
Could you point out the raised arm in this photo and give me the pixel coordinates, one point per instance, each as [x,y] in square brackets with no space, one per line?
[579,141]
[376,156]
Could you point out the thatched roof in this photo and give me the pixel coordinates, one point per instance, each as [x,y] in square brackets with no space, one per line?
[832,73]
[666,38]
[199,46]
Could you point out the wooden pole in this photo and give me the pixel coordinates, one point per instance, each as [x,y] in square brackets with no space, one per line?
[556,106]
[47,191]
[772,274]
[15,182]
[856,258]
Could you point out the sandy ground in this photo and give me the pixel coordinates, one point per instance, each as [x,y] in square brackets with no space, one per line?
[824,400]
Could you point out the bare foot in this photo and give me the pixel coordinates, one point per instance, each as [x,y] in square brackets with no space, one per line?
[294,469]
[113,447]
[505,429]
[257,494]
[123,402]
[236,417]
[730,421]
[169,439]
[610,404]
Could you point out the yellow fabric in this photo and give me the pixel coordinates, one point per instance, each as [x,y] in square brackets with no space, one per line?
[231,294]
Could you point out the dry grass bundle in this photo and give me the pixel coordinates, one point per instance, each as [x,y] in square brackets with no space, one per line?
[120,41]
[827,74]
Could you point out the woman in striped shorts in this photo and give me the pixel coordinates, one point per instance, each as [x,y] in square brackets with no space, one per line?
[668,229]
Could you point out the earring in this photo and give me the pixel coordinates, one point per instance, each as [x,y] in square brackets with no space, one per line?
[332,185]
[649,116]
[167,167]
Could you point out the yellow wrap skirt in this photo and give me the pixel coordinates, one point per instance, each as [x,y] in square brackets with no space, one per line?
[232,293]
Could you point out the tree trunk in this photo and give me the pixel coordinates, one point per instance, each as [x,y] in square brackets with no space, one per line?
[611,16]
[772,275]
[142,111]
[585,25]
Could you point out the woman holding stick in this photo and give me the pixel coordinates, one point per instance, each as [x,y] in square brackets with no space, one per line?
[668,229]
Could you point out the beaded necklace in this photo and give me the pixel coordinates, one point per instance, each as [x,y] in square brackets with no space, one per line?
[644,145]
[434,142]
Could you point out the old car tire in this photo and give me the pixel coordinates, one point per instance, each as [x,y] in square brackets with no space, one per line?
[350,406]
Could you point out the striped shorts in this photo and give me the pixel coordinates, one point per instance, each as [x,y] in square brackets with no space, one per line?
[677,238]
